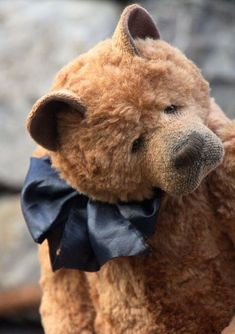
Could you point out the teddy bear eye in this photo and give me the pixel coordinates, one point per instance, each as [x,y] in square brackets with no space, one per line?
[170,109]
[136,144]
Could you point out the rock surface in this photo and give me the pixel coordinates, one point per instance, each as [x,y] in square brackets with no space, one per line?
[18,260]
[204,30]
[36,39]
[19,272]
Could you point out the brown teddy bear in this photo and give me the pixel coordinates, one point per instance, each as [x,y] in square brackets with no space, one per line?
[128,126]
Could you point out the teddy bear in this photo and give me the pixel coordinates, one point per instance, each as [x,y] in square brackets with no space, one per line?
[131,192]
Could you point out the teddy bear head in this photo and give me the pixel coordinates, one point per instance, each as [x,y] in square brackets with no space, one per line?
[129,116]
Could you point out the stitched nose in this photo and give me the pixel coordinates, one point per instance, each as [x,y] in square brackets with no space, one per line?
[189,150]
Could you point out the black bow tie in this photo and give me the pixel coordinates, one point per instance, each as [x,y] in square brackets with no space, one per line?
[81,233]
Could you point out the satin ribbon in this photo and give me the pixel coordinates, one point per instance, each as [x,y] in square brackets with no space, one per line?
[83,234]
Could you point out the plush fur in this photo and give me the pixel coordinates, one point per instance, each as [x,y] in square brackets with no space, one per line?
[99,105]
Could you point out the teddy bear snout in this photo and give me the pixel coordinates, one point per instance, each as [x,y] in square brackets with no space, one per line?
[197,148]
[189,150]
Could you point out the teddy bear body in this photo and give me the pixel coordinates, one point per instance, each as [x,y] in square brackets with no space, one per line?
[134,89]
[186,284]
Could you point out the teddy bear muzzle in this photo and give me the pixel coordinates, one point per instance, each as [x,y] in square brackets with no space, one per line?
[183,159]
[193,156]
[199,149]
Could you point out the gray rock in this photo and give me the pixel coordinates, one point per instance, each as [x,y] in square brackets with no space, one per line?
[204,30]
[19,259]
[36,39]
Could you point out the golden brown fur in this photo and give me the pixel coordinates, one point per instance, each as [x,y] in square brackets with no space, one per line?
[186,285]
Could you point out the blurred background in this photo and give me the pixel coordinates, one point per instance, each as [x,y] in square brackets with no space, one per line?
[38,37]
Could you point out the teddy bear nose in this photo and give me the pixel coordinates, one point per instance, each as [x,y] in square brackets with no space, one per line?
[189,150]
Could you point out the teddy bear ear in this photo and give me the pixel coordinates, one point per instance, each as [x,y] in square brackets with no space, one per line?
[42,120]
[135,22]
